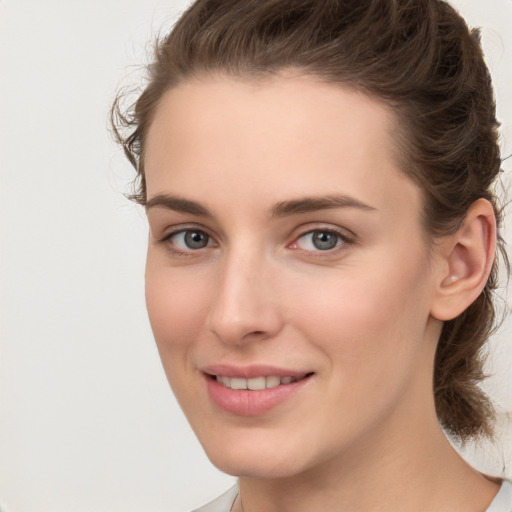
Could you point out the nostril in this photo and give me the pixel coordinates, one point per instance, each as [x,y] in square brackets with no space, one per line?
[254,333]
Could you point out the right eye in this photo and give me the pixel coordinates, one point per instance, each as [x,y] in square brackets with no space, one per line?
[190,240]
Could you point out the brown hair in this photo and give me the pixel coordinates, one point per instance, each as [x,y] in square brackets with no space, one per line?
[417,55]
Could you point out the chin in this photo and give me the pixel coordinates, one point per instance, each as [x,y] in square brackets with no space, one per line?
[257,457]
[262,467]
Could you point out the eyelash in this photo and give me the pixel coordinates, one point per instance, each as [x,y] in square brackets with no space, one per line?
[341,240]
[167,241]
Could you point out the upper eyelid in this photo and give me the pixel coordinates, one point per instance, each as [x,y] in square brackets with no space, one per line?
[343,237]
[174,230]
[339,232]
[311,227]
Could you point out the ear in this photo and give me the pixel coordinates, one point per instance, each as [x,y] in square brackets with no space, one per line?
[466,258]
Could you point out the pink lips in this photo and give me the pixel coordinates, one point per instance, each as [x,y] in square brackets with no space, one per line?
[245,402]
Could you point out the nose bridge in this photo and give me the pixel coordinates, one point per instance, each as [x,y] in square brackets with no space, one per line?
[244,306]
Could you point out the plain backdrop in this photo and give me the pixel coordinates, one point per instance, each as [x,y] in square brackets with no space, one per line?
[87,422]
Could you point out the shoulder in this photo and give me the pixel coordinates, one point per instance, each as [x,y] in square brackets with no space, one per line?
[503,500]
[221,504]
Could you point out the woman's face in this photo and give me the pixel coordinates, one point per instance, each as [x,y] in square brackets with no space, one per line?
[286,255]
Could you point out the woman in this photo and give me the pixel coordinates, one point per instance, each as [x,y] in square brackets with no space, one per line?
[317,178]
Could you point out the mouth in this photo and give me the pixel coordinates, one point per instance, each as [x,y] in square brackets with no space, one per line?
[257,383]
[255,390]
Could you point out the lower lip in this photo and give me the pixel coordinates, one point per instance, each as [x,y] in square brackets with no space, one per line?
[251,403]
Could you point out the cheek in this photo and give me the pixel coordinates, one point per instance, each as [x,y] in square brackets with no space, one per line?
[176,310]
[369,323]
[176,307]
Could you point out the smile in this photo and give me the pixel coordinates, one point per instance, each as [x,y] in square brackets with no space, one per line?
[256,383]
[253,391]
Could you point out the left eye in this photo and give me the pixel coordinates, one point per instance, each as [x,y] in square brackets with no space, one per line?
[191,239]
[319,240]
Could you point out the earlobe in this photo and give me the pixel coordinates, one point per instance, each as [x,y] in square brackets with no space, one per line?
[468,256]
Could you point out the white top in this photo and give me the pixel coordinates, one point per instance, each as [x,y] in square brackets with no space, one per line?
[503,500]
[223,503]
[501,503]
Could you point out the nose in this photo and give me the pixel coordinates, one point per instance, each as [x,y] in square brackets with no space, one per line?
[245,306]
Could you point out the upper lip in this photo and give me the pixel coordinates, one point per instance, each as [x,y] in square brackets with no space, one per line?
[251,371]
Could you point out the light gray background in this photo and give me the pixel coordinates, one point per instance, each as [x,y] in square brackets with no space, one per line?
[87,422]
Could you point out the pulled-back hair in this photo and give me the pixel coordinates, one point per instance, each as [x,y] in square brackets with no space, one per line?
[416,55]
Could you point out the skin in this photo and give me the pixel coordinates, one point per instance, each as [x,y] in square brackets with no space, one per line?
[364,317]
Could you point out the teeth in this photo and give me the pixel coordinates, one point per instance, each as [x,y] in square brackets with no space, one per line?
[238,383]
[272,382]
[256,383]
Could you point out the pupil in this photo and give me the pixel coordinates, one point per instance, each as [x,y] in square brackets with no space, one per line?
[324,241]
[196,239]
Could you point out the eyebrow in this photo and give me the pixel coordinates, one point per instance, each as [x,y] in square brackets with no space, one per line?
[281,209]
[312,204]
[177,204]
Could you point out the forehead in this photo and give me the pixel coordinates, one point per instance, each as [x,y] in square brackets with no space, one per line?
[271,138]
[282,106]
